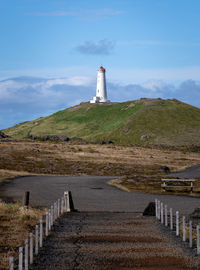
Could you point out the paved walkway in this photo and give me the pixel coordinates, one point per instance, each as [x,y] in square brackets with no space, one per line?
[90,193]
[191,172]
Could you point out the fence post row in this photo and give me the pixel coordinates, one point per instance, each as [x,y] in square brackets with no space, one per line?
[161,214]
[58,208]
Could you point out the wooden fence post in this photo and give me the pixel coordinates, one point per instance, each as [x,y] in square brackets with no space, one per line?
[65,201]
[20,267]
[54,211]
[31,248]
[11,263]
[41,232]
[49,219]
[162,212]
[184,231]
[36,239]
[58,207]
[177,223]
[171,218]
[26,198]
[166,217]
[47,224]
[26,255]
[52,215]
[190,234]
[63,205]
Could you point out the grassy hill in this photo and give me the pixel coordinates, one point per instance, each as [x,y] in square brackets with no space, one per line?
[168,122]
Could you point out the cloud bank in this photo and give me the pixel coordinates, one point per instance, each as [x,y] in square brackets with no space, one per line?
[27,98]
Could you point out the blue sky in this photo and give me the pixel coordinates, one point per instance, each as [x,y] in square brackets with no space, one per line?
[149,48]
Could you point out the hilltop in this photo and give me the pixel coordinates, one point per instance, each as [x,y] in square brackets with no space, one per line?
[141,122]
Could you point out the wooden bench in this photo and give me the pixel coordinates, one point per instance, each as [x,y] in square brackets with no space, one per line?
[166,183]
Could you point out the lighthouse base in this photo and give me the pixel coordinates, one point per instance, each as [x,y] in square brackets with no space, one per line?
[98,100]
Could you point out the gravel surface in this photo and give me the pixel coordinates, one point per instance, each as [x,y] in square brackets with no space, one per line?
[89,193]
[104,240]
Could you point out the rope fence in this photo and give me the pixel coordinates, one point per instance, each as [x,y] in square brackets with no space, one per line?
[183,228]
[32,245]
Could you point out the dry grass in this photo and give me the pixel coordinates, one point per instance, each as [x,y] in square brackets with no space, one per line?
[140,167]
[15,225]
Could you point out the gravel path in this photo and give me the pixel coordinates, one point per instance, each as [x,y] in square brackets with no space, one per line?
[90,193]
[104,240]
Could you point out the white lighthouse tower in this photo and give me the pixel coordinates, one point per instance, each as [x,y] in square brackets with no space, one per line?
[101,92]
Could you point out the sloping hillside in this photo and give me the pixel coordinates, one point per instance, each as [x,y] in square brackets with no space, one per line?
[144,121]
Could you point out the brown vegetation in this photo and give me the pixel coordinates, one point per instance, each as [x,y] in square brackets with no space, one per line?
[15,225]
[138,167]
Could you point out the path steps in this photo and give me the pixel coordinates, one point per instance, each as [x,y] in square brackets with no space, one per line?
[105,240]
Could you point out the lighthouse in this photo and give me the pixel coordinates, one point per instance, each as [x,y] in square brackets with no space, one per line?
[101,91]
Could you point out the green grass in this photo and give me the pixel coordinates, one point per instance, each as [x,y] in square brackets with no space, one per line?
[164,122]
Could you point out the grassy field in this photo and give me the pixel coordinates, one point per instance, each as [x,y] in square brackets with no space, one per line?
[162,122]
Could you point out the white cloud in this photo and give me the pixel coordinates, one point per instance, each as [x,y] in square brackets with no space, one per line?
[154,85]
[75,81]
[116,74]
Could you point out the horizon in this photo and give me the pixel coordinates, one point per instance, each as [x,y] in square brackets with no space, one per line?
[51,51]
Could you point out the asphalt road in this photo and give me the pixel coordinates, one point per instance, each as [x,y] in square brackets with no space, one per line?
[191,172]
[90,193]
